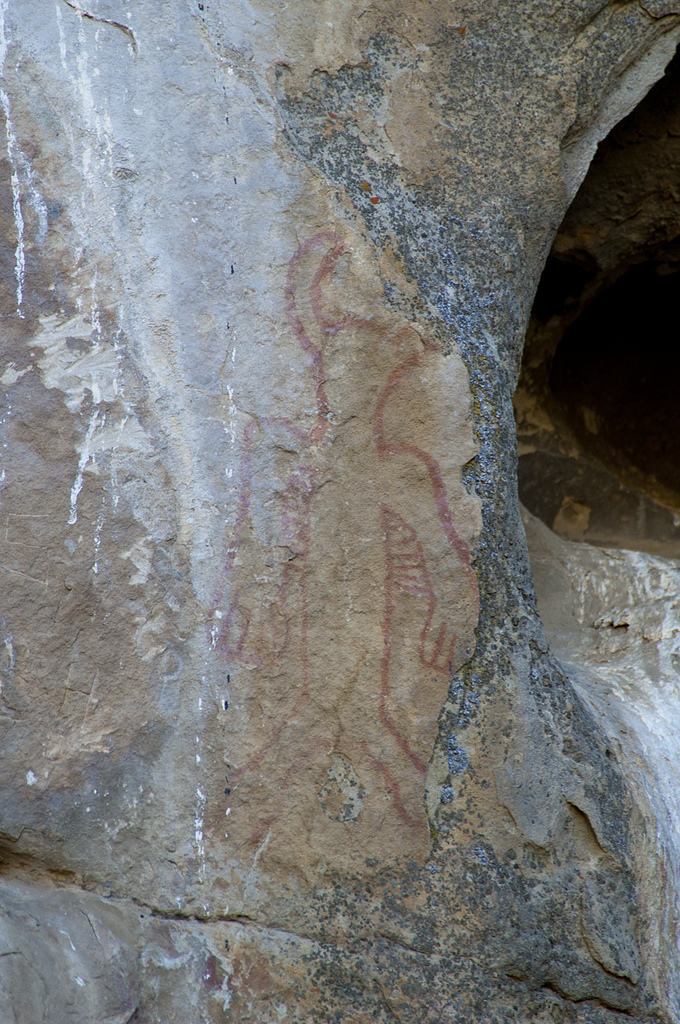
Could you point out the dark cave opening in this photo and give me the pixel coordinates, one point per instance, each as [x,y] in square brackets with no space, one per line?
[598,400]
[616,374]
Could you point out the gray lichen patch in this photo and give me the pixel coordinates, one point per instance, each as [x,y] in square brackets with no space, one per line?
[342,798]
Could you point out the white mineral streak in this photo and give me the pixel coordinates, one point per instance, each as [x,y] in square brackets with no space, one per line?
[85,455]
[21,168]
[198,832]
[613,619]
[9,647]
[4,42]
[97,540]
[224,994]
[201,798]
[73,948]
[12,146]
[62,37]
[96,115]
[97,370]
[95,320]
[232,415]
[20,260]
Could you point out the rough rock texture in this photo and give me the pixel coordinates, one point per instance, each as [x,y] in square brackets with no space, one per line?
[612,619]
[282,736]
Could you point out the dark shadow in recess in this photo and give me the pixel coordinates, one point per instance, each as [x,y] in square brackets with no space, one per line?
[616,373]
[598,401]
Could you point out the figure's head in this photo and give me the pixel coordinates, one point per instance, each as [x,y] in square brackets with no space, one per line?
[336,307]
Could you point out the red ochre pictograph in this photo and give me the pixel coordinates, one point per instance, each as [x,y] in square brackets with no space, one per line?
[270,639]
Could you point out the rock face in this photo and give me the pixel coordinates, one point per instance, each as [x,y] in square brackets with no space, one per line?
[282,733]
[612,619]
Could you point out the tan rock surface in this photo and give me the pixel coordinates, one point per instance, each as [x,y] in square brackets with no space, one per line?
[279,723]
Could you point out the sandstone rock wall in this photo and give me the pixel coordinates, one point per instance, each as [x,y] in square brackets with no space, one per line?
[282,735]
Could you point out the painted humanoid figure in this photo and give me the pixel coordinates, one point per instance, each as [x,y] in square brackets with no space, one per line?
[344,650]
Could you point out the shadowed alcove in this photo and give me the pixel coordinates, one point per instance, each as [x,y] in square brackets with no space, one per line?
[598,402]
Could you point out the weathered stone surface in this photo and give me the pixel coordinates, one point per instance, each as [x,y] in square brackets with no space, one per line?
[279,715]
[70,955]
[612,618]
[65,956]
